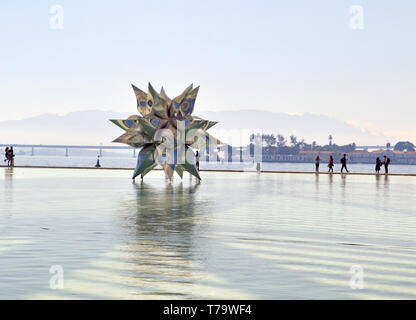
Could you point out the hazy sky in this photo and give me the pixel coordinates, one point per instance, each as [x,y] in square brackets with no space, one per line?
[283,56]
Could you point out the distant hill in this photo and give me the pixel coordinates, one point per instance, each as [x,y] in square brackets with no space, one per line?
[93,127]
[309,126]
[81,127]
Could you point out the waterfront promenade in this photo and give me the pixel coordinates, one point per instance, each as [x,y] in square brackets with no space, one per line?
[362,154]
[228,170]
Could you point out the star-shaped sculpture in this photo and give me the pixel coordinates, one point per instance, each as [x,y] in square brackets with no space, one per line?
[166,131]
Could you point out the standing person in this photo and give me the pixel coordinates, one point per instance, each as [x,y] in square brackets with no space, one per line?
[317,159]
[11,157]
[331,164]
[6,155]
[344,162]
[197,160]
[386,164]
[378,165]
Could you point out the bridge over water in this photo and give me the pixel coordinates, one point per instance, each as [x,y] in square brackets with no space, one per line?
[99,148]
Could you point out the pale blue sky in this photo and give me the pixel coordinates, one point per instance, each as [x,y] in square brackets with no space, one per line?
[284,56]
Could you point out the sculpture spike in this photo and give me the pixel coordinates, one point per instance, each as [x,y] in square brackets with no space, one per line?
[141,97]
[164,95]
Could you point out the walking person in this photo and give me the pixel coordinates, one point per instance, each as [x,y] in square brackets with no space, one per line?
[317,159]
[378,165]
[386,164]
[344,163]
[331,164]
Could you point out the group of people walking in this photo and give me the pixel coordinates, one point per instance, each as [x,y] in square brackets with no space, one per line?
[344,159]
[9,156]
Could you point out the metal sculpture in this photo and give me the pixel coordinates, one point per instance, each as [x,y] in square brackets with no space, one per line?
[166,132]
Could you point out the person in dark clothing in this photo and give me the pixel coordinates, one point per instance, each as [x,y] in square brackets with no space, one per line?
[386,164]
[331,164]
[317,159]
[6,155]
[344,163]
[197,160]
[378,165]
[11,157]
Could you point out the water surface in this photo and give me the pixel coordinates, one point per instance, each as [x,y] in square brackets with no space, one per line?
[233,236]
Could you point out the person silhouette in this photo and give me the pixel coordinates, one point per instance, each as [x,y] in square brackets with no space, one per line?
[11,157]
[317,159]
[6,155]
[331,164]
[344,163]
[386,164]
[378,165]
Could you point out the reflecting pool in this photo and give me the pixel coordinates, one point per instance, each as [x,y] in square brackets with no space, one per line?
[232,236]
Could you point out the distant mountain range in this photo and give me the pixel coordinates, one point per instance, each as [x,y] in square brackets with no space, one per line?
[234,127]
[310,127]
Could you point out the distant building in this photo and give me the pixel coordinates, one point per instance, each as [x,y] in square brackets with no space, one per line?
[356,156]
[271,154]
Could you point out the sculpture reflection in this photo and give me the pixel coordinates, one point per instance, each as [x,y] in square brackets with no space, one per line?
[162,217]
[167,212]
[160,225]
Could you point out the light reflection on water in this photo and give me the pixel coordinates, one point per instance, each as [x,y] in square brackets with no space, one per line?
[233,236]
